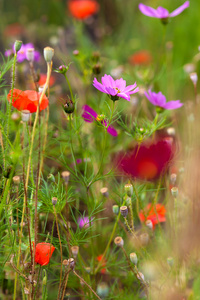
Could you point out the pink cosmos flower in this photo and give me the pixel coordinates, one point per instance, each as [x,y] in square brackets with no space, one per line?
[21,54]
[89,115]
[158,99]
[83,222]
[161,12]
[115,88]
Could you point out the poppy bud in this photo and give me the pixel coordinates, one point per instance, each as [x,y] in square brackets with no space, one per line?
[65,262]
[115,209]
[128,189]
[174,191]
[149,224]
[104,191]
[133,258]
[48,54]
[51,178]
[69,106]
[17,46]
[54,201]
[30,54]
[124,211]
[44,280]
[102,289]
[71,263]
[75,250]
[119,241]
[25,115]
[16,180]
[65,176]
[96,69]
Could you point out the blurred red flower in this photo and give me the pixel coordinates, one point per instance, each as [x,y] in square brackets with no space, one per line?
[27,100]
[82,9]
[43,78]
[43,253]
[147,161]
[142,57]
[14,30]
[149,213]
[101,259]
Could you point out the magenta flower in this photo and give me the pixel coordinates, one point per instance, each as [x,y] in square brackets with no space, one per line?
[161,12]
[83,222]
[158,99]
[89,115]
[115,88]
[21,54]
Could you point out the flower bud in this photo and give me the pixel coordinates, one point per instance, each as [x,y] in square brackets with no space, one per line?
[65,262]
[69,107]
[194,78]
[88,270]
[124,211]
[104,191]
[54,201]
[102,289]
[30,54]
[48,54]
[44,280]
[115,209]
[133,258]
[51,178]
[17,46]
[71,263]
[75,250]
[128,201]
[173,177]
[65,176]
[128,189]
[174,191]
[149,224]
[140,276]
[95,56]
[119,241]
[25,115]
[96,69]
[75,52]
[16,180]
[63,69]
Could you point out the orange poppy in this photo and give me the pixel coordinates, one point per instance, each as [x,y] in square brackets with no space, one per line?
[43,253]
[43,78]
[149,213]
[27,100]
[142,57]
[82,9]
[101,259]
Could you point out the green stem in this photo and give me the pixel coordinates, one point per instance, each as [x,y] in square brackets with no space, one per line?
[70,89]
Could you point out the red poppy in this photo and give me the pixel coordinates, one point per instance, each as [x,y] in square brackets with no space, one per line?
[13,30]
[82,9]
[142,57]
[43,253]
[149,213]
[101,259]
[27,100]
[147,161]
[43,78]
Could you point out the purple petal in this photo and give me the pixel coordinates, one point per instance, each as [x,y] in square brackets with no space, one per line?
[37,56]
[89,115]
[163,12]
[124,96]
[129,87]
[180,9]
[108,81]
[120,84]
[111,91]
[148,11]
[111,130]
[160,99]
[173,104]
[133,92]
[98,86]
[8,52]
[150,97]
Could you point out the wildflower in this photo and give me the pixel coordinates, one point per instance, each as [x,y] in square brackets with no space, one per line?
[140,58]
[22,53]
[161,12]
[103,290]
[115,88]
[101,259]
[27,100]
[83,222]
[82,9]
[43,253]
[89,115]
[155,216]
[43,78]
[159,100]
[147,161]
[14,30]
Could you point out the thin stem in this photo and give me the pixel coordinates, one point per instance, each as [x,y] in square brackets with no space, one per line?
[70,89]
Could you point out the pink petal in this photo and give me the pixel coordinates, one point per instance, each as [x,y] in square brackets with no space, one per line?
[89,115]
[98,85]
[173,104]
[148,11]
[108,81]
[180,9]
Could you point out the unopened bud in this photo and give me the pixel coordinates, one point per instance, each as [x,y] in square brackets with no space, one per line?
[75,52]
[194,78]
[63,69]
[65,262]
[128,201]
[128,189]
[17,46]
[103,289]
[119,241]
[149,224]
[44,280]
[75,250]
[48,54]
[30,54]
[133,258]
[140,276]
[25,115]
[54,201]
[115,209]
[173,177]
[65,176]
[71,263]
[95,56]
[104,191]
[88,270]
[174,191]
[69,106]
[124,211]
[16,180]
[51,177]
[96,69]
[144,238]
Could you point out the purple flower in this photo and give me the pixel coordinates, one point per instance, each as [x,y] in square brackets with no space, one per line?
[83,222]
[89,115]
[115,88]
[158,99]
[21,54]
[161,12]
